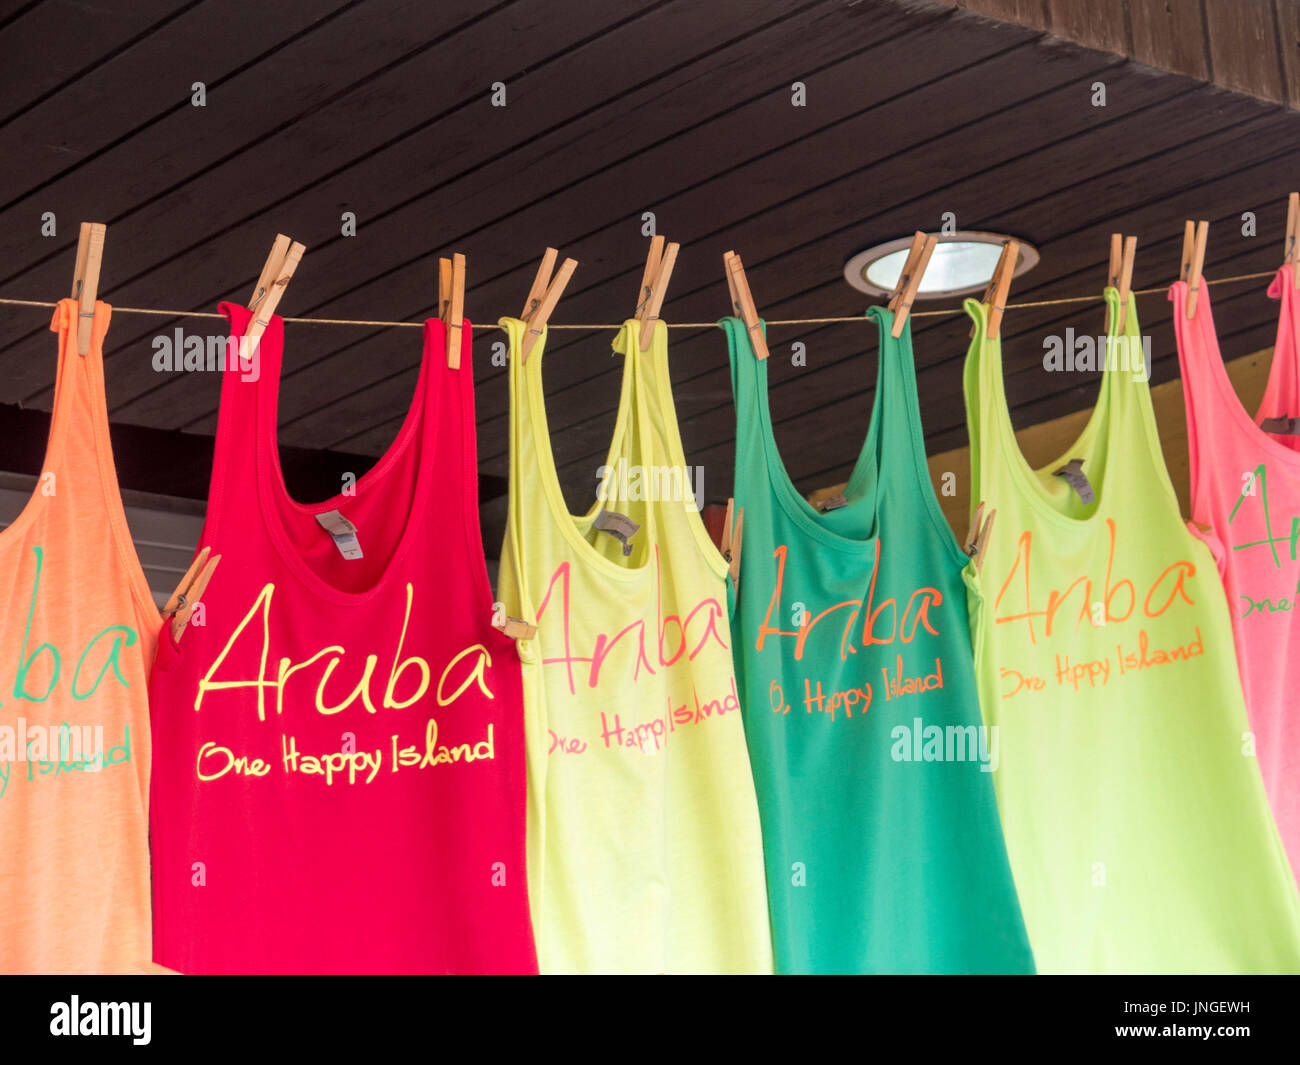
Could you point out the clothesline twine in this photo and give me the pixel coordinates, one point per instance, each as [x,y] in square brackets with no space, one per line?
[670,325]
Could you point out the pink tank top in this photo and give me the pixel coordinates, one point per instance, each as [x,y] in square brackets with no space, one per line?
[1246,488]
[338,777]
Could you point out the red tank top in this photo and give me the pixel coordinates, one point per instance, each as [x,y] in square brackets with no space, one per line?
[338,781]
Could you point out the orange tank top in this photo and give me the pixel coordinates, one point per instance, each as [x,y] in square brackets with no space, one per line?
[78,629]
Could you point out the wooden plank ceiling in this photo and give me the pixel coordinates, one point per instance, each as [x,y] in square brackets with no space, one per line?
[382,108]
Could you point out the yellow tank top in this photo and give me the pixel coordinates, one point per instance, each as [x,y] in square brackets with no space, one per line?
[644,848]
[77,637]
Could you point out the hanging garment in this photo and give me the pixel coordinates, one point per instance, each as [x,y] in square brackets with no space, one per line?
[644,847]
[77,638]
[1135,816]
[852,646]
[1246,488]
[339,780]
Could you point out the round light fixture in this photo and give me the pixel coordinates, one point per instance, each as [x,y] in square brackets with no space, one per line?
[962,263]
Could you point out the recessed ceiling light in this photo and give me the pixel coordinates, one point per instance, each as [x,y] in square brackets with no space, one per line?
[962,263]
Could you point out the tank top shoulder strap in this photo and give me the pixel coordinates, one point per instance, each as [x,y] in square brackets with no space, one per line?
[533,484]
[986,402]
[1127,391]
[527,481]
[638,436]
[1204,377]
[240,415]
[659,438]
[749,393]
[79,417]
[79,434]
[449,402]
[1282,393]
[902,469]
[64,326]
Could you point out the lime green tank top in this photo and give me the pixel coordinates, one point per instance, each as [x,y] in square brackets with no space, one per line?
[1136,821]
[644,848]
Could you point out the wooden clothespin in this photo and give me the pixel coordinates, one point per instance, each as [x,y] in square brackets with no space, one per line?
[85,280]
[271,283]
[1195,235]
[918,258]
[972,533]
[654,283]
[731,533]
[543,297]
[518,629]
[451,303]
[1119,275]
[1000,285]
[977,537]
[742,303]
[189,591]
[1292,252]
[1116,260]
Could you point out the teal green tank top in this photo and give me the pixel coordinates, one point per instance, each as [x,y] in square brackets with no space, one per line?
[881,837]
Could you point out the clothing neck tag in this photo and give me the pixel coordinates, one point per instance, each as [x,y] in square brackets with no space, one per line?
[833,502]
[343,532]
[618,525]
[1282,426]
[1072,471]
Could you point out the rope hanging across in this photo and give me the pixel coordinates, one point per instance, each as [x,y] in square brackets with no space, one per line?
[671,325]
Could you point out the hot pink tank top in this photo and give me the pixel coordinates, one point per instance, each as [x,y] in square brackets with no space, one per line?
[1246,488]
[338,778]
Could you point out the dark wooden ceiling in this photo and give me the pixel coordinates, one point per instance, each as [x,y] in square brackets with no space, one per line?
[682,108]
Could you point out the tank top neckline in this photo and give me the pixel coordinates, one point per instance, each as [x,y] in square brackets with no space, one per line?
[421,417]
[540,430]
[797,508]
[1203,323]
[1100,422]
